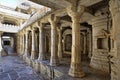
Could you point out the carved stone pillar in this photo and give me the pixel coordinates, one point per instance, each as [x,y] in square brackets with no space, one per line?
[26,44]
[21,44]
[115,36]
[85,43]
[60,44]
[0,45]
[90,43]
[54,61]
[33,45]
[75,67]
[41,44]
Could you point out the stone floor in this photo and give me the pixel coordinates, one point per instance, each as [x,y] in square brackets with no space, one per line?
[91,74]
[14,68]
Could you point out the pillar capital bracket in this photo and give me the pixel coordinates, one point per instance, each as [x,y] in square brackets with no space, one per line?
[75,12]
[41,26]
[52,18]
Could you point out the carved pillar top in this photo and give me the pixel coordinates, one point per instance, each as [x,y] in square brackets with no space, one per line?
[41,27]
[53,20]
[75,12]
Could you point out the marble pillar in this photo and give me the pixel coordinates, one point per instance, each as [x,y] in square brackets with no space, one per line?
[85,44]
[115,36]
[22,44]
[26,44]
[0,43]
[54,61]
[75,67]
[60,51]
[41,44]
[90,43]
[33,45]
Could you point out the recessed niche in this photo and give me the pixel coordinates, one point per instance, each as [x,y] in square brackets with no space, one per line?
[102,43]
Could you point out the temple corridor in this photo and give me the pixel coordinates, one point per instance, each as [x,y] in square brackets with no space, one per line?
[59,39]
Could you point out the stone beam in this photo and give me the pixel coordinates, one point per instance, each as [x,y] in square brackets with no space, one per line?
[89,2]
[47,3]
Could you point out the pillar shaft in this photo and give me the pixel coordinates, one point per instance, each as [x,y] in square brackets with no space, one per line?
[85,47]
[90,44]
[26,44]
[0,44]
[60,44]
[33,45]
[75,67]
[22,44]
[41,44]
[54,61]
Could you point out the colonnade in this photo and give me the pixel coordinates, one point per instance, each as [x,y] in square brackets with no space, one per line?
[56,42]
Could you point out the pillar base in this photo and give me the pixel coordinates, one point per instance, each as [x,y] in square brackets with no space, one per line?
[32,55]
[76,71]
[3,53]
[41,58]
[24,57]
[54,61]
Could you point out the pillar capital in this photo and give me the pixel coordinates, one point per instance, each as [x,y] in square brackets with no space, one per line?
[41,27]
[53,20]
[75,12]
[114,6]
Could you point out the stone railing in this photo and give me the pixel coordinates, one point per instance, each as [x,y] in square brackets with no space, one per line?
[42,12]
[9,28]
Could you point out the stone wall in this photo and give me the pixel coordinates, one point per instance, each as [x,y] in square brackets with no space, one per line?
[100,54]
